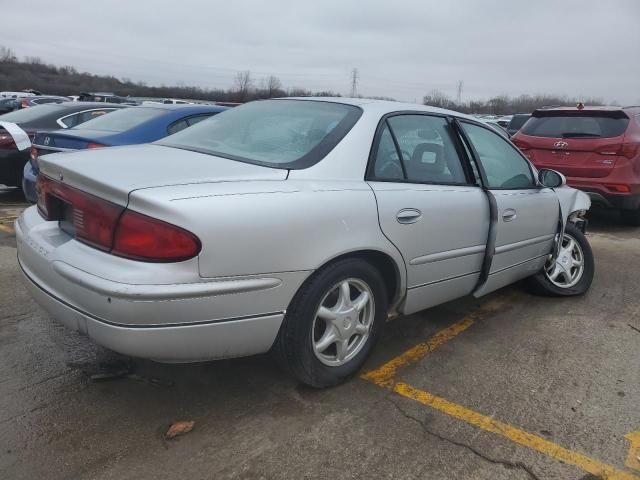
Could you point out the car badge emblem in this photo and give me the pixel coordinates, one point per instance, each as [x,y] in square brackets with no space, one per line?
[47,140]
[560,144]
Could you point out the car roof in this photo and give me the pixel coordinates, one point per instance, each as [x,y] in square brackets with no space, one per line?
[383,106]
[583,109]
[187,106]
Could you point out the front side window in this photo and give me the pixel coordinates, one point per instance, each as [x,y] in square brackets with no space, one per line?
[426,153]
[502,164]
[276,133]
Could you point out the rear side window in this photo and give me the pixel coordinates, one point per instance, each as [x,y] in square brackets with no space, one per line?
[82,117]
[575,126]
[426,153]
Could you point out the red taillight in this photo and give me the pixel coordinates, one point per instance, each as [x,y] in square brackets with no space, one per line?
[618,187]
[6,141]
[24,103]
[112,228]
[630,150]
[93,219]
[95,145]
[140,237]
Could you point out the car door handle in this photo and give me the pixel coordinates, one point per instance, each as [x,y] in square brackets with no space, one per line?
[408,215]
[509,214]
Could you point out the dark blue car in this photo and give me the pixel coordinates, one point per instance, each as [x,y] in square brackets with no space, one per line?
[129,126]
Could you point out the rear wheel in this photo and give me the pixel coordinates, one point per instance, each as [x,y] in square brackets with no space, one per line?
[631,217]
[572,272]
[332,323]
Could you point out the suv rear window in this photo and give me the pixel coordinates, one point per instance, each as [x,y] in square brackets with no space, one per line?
[575,126]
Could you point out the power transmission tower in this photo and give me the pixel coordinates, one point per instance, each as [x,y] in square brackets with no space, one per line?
[459,95]
[354,82]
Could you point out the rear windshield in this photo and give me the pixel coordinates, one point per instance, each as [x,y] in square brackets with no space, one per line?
[276,133]
[31,113]
[573,126]
[124,119]
[518,121]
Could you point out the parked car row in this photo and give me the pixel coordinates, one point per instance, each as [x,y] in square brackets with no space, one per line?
[40,118]
[295,226]
[130,126]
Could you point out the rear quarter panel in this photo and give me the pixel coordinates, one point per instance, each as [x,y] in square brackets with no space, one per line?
[260,227]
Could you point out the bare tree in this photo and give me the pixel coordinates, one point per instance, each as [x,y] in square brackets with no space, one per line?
[272,86]
[243,84]
[436,98]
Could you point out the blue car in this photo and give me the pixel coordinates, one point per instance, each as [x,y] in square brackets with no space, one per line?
[129,126]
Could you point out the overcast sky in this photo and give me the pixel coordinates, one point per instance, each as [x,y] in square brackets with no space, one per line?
[402,49]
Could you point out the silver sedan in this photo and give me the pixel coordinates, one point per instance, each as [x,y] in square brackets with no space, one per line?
[296,226]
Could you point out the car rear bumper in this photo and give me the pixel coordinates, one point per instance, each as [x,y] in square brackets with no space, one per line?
[11,166]
[600,194]
[166,321]
[29,177]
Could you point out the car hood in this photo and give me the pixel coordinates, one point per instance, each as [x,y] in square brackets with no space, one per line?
[113,173]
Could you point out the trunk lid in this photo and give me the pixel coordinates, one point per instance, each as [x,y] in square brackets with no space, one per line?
[112,173]
[49,142]
[577,143]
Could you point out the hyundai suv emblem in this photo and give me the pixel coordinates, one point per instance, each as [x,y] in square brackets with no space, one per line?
[560,144]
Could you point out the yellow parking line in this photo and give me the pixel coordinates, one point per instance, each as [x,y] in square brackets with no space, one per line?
[383,376]
[514,434]
[7,229]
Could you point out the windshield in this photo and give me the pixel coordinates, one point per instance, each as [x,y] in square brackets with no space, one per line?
[573,126]
[124,119]
[31,113]
[278,133]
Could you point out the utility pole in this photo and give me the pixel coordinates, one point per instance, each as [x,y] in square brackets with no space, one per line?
[459,95]
[354,82]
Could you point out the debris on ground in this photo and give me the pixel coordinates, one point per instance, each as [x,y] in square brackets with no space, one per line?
[179,428]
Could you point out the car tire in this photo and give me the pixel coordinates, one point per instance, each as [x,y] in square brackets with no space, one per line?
[631,217]
[300,347]
[574,281]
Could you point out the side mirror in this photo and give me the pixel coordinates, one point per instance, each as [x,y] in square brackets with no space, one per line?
[550,178]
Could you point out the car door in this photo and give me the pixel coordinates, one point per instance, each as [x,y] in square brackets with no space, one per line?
[526,214]
[429,206]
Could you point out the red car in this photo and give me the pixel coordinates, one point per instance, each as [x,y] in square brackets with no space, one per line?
[596,148]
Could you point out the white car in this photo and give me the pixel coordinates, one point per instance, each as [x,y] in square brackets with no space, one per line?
[296,226]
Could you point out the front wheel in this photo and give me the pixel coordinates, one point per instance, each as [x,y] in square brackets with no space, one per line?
[572,271]
[332,323]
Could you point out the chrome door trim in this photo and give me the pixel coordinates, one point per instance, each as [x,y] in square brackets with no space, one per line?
[524,243]
[448,254]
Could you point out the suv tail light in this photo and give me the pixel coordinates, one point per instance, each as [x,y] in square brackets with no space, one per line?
[630,150]
[113,228]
